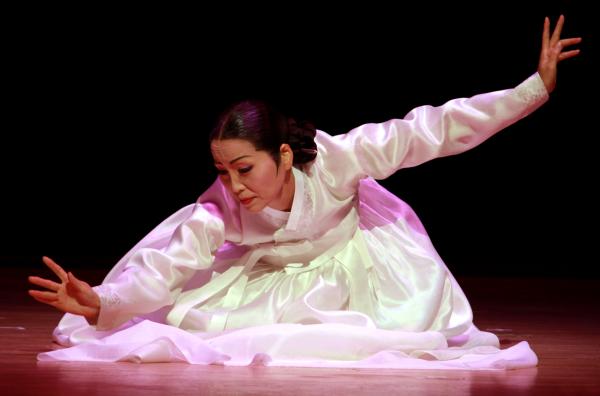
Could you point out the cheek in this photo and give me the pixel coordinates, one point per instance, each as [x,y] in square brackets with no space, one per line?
[264,182]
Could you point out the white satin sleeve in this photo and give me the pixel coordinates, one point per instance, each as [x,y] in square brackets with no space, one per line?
[153,278]
[426,132]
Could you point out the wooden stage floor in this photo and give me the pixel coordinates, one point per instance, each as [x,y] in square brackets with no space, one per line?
[558,317]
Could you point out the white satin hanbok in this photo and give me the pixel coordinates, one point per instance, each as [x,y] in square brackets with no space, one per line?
[347,278]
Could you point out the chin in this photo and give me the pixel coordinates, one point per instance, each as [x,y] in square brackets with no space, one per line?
[255,207]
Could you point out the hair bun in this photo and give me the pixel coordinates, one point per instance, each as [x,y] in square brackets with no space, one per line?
[301,138]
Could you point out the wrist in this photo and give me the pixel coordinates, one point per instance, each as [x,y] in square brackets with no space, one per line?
[91,315]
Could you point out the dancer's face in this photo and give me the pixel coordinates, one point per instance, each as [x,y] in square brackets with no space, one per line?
[252,176]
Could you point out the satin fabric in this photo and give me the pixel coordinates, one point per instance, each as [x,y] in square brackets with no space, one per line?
[347,278]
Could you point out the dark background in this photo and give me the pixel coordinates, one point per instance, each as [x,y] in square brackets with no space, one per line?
[106,121]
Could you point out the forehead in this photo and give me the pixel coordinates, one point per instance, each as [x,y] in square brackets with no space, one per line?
[228,149]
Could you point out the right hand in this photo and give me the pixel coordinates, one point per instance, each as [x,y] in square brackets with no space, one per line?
[71,295]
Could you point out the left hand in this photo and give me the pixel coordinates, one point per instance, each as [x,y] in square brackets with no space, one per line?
[552,52]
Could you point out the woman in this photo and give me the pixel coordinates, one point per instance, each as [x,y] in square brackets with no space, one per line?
[296,256]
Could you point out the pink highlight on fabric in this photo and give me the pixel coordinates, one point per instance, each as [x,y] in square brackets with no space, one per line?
[378,207]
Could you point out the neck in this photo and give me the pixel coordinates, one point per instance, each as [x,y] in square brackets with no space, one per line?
[287,193]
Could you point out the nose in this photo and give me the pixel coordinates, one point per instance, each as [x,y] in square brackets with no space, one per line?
[236,185]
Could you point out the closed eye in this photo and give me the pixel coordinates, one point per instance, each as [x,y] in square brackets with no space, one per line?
[245,170]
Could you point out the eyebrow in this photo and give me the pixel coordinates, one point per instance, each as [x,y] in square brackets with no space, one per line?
[232,161]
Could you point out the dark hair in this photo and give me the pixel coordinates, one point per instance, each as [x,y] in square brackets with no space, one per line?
[267,129]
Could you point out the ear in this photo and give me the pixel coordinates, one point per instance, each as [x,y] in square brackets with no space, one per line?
[287,156]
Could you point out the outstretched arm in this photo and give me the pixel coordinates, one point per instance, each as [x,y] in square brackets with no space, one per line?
[151,279]
[429,132]
[553,52]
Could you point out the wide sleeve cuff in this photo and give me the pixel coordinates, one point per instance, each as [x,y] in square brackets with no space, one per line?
[110,308]
[532,91]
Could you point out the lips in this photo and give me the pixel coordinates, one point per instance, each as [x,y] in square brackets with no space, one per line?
[246,201]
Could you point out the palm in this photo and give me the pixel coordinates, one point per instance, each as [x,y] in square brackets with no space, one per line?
[71,295]
[71,299]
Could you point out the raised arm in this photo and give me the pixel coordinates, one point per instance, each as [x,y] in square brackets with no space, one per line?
[428,132]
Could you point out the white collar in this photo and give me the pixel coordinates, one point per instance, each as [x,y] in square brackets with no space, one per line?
[293,216]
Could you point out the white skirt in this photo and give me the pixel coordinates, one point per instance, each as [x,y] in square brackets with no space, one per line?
[385,300]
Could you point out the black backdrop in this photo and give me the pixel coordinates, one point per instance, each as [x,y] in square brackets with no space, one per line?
[106,127]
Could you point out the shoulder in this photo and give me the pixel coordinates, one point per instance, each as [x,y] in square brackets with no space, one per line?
[332,169]
[216,202]
[328,145]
